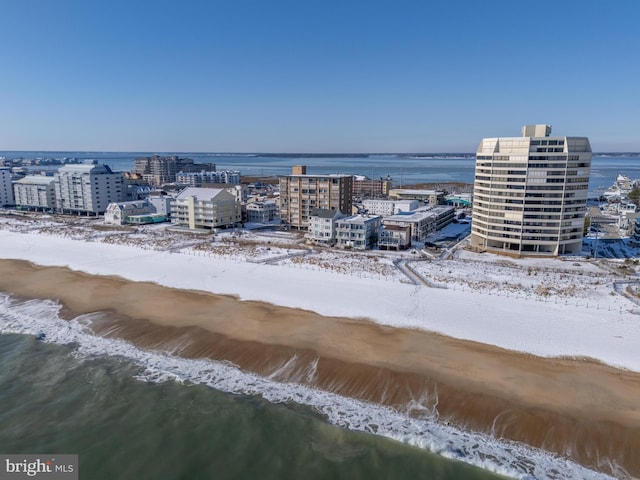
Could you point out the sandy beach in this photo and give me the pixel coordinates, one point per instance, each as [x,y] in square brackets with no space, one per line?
[577,408]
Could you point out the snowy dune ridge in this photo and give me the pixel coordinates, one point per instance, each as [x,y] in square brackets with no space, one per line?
[545,307]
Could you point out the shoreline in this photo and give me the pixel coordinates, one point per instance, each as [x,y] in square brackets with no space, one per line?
[574,407]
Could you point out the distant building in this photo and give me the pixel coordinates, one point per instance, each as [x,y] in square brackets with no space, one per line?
[322,225]
[262,211]
[530,193]
[35,192]
[6,189]
[300,193]
[206,208]
[358,232]
[433,197]
[197,179]
[371,187]
[87,188]
[158,170]
[423,222]
[389,207]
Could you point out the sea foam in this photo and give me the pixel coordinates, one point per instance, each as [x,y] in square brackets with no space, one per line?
[41,317]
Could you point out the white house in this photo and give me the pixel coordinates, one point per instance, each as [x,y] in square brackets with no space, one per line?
[262,211]
[120,213]
[322,225]
[205,208]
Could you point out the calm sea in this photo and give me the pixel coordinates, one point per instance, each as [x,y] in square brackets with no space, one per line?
[403,169]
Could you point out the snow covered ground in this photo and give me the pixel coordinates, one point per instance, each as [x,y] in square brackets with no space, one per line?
[547,307]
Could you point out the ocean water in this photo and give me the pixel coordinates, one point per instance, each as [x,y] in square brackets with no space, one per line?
[136,414]
[403,169]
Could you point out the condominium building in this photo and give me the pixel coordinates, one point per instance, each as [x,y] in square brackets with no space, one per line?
[423,221]
[196,179]
[371,187]
[262,211]
[206,208]
[389,207]
[87,188]
[6,189]
[433,197]
[358,232]
[35,192]
[300,193]
[158,170]
[322,225]
[530,193]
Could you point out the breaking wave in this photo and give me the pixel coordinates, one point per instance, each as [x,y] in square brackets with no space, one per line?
[42,318]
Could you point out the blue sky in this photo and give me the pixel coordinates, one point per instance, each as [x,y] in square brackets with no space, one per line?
[315,76]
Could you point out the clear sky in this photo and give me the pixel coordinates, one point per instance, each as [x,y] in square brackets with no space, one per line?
[315,76]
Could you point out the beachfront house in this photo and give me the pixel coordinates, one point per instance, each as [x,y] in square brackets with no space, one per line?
[359,232]
[262,211]
[322,225]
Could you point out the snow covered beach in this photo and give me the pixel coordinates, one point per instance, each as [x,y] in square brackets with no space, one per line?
[542,307]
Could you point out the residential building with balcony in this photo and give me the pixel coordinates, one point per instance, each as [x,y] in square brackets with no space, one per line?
[35,192]
[322,225]
[300,193]
[358,232]
[206,208]
[87,188]
[530,193]
[423,221]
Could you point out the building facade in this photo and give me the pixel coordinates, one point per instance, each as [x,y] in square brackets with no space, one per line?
[322,225]
[87,188]
[358,232]
[196,179]
[6,189]
[158,170]
[371,187]
[530,193]
[205,208]
[36,192]
[423,222]
[300,193]
[389,207]
[262,211]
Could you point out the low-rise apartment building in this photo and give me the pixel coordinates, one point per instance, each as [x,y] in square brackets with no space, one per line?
[35,192]
[423,222]
[386,208]
[358,231]
[206,208]
[322,225]
[432,197]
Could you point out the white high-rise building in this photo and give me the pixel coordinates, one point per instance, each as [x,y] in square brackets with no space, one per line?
[530,193]
[88,188]
[6,189]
